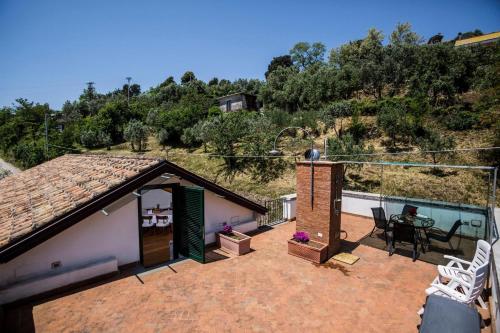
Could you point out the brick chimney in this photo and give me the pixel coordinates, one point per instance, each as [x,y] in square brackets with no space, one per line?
[321,220]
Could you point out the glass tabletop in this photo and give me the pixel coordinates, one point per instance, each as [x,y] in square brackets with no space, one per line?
[418,221]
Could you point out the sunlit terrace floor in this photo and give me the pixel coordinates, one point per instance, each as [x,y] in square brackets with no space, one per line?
[265,290]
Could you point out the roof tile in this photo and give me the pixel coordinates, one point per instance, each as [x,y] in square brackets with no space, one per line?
[33,198]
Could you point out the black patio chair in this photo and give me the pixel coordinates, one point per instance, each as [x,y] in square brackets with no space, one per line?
[403,232]
[407,208]
[380,221]
[442,236]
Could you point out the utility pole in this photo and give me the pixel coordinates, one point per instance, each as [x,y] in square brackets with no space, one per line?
[90,92]
[90,87]
[128,78]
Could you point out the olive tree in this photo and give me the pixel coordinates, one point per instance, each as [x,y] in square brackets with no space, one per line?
[137,133]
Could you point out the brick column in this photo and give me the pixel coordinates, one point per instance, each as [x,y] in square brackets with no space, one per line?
[321,221]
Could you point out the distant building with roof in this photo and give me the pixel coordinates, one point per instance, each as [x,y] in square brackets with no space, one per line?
[238,101]
[476,40]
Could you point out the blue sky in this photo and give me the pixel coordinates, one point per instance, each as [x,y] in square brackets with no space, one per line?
[49,49]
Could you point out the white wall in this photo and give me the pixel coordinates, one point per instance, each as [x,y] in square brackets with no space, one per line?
[360,203]
[94,238]
[219,211]
[152,198]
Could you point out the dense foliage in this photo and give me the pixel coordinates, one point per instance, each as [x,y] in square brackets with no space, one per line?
[405,83]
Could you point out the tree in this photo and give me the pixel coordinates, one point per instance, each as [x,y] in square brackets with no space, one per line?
[436,39]
[468,34]
[400,57]
[357,129]
[111,119]
[135,90]
[304,54]
[336,111]
[346,148]
[137,133]
[372,57]
[105,140]
[162,137]
[89,138]
[434,142]
[404,36]
[190,136]
[223,133]
[396,122]
[213,82]
[281,61]
[257,142]
[188,77]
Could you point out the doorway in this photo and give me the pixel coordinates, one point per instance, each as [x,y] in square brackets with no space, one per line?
[156,224]
[171,223]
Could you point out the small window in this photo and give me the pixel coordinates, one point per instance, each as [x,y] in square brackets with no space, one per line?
[228,106]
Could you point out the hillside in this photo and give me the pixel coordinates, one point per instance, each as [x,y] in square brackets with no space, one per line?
[464,186]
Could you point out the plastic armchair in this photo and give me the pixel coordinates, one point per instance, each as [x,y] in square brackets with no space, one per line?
[460,290]
[455,267]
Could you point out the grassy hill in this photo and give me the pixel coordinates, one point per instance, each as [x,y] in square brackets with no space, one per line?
[453,185]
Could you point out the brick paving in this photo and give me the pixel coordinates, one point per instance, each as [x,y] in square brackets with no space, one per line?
[265,290]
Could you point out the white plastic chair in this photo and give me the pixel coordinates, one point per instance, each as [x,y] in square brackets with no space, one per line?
[460,290]
[454,269]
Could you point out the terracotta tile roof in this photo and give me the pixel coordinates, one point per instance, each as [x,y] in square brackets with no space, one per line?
[33,198]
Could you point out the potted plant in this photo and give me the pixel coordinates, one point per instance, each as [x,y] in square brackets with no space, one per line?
[301,246]
[233,241]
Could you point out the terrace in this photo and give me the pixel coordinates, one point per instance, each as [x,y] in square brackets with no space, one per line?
[262,291]
[268,289]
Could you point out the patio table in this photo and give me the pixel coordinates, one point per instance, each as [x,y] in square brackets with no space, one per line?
[418,222]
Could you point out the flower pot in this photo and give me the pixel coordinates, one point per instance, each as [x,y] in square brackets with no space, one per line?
[312,250]
[236,243]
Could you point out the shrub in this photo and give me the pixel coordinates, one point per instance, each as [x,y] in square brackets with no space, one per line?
[367,107]
[358,128]
[29,154]
[4,173]
[459,119]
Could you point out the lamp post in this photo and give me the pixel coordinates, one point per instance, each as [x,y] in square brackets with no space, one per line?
[312,154]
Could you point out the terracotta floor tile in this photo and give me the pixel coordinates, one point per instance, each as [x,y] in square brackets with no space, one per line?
[266,290]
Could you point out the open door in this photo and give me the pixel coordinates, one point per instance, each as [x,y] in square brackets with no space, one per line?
[189,221]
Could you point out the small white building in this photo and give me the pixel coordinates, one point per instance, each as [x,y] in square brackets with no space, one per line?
[78,217]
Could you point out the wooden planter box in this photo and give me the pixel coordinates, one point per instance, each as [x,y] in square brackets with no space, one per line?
[312,251]
[233,245]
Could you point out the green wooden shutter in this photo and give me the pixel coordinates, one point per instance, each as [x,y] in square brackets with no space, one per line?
[191,222]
